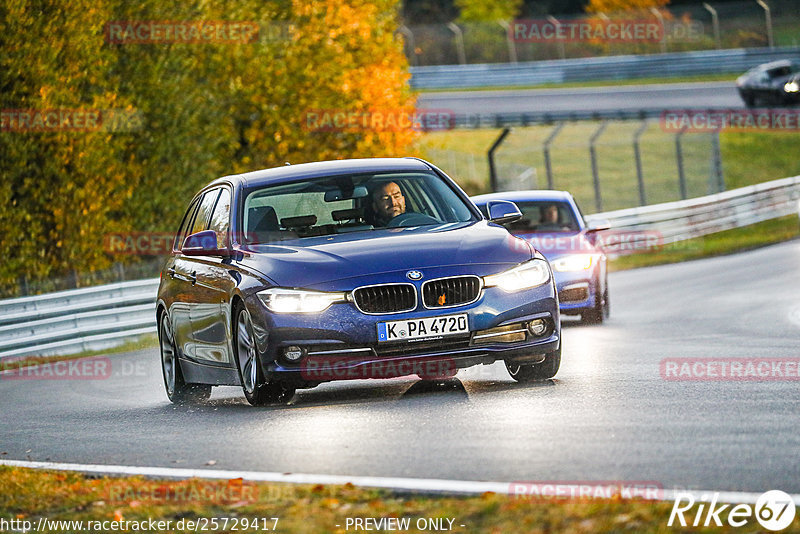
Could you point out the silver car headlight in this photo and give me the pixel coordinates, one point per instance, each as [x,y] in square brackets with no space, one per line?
[791,87]
[525,276]
[282,300]
[574,262]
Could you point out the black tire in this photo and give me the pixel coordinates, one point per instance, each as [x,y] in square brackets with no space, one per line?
[536,371]
[749,100]
[178,391]
[257,389]
[601,310]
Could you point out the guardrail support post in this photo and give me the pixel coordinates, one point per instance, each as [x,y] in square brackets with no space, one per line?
[638,159]
[462,55]
[679,158]
[547,165]
[492,169]
[660,18]
[598,200]
[768,16]
[716,161]
[714,23]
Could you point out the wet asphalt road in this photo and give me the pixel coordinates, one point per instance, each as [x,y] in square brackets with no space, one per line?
[608,415]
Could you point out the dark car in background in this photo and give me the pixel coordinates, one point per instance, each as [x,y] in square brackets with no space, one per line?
[773,83]
[552,222]
[373,268]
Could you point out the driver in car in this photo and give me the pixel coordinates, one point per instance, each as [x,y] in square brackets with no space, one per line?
[387,203]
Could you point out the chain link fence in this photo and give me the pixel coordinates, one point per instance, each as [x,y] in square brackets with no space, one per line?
[708,26]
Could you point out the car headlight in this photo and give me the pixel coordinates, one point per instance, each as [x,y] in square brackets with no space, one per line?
[280,300]
[530,274]
[575,262]
[791,87]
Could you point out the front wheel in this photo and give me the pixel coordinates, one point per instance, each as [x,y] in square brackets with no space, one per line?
[537,371]
[257,390]
[178,391]
[600,311]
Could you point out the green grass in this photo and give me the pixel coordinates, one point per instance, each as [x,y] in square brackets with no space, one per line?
[142,342]
[602,83]
[30,494]
[720,243]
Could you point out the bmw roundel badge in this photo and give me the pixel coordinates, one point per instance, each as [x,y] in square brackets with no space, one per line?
[414,275]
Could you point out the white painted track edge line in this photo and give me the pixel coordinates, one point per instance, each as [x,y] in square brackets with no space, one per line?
[419,485]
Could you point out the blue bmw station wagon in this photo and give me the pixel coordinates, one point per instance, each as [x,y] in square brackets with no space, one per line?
[370,268]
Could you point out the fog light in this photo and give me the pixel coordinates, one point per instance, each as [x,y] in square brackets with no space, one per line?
[293,353]
[537,327]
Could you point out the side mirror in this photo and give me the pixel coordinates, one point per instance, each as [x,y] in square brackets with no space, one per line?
[202,244]
[503,211]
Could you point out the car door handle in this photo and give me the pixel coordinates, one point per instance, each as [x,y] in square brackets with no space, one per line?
[171,272]
[193,277]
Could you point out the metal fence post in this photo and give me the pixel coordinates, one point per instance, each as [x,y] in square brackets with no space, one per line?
[492,169]
[679,157]
[714,23]
[768,16]
[638,159]
[547,165]
[462,55]
[598,199]
[512,48]
[716,161]
[410,41]
[554,21]
[660,18]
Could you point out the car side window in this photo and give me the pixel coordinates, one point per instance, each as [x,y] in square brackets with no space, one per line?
[204,212]
[180,236]
[220,218]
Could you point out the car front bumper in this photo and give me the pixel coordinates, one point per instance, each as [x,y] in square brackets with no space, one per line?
[341,342]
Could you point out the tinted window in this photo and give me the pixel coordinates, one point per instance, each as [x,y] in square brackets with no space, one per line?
[545,216]
[203,214]
[220,217]
[338,204]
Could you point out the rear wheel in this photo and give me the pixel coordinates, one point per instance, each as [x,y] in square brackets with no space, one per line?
[178,391]
[537,371]
[257,390]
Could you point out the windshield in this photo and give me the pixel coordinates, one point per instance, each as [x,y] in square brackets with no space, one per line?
[545,216]
[350,203]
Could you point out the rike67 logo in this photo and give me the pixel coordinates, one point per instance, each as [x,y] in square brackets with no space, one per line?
[774,511]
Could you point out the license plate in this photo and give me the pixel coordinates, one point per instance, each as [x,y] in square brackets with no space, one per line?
[423,328]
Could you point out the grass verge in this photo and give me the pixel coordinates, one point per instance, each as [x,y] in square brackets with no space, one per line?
[727,242]
[32,494]
[141,342]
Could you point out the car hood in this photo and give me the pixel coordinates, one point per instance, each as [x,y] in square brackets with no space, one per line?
[366,256]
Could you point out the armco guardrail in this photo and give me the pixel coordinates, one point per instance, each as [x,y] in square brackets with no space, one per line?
[685,219]
[99,317]
[67,322]
[597,68]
